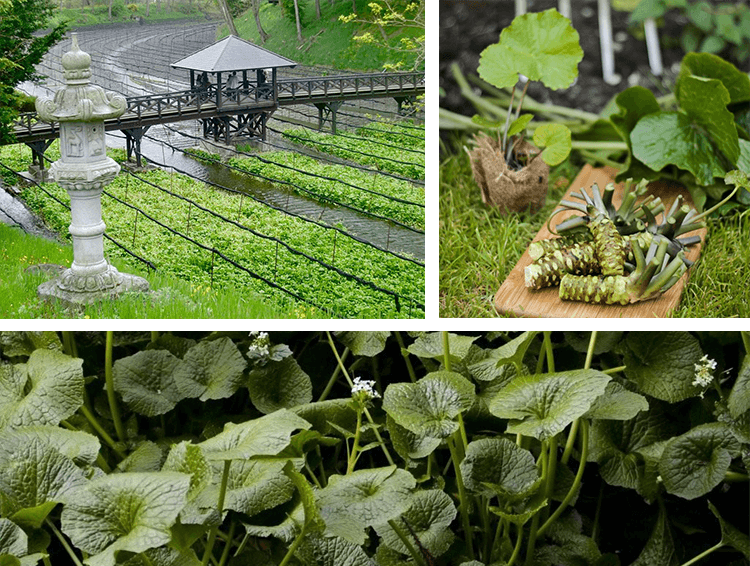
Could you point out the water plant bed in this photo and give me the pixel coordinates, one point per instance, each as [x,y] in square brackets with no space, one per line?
[514,298]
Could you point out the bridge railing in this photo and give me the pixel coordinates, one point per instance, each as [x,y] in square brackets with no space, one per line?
[350,84]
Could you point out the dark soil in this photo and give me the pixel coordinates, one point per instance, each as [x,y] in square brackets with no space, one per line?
[468,26]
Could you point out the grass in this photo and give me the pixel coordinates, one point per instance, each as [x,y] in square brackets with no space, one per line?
[173,298]
[97,15]
[479,247]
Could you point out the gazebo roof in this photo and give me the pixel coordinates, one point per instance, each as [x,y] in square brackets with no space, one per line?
[232,54]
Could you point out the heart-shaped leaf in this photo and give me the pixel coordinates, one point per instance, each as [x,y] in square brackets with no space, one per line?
[556,141]
[13,540]
[364,343]
[494,366]
[187,458]
[660,547]
[634,103]
[694,463]
[519,124]
[43,391]
[543,405]
[430,345]
[16,344]
[265,436]
[617,404]
[82,448]
[332,551]
[408,445]
[662,364]
[739,398]
[365,498]
[497,467]
[213,367]
[712,66]
[543,46]
[279,385]
[124,512]
[146,381]
[429,406]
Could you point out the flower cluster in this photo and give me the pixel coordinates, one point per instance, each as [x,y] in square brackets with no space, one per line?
[260,346]
[704,372]
[364,388]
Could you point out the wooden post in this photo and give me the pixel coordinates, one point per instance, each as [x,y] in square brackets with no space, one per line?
[218,89]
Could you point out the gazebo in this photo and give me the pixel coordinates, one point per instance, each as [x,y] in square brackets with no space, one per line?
[222,74]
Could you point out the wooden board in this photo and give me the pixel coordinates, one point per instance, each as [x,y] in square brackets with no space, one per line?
[514,298]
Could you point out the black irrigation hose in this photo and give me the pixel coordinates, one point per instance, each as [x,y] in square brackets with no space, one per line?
[149,265]
[295,251]
[269,162]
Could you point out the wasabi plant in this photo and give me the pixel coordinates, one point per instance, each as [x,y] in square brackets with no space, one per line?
[542,47]
[374,448]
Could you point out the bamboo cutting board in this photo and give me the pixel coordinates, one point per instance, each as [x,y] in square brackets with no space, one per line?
[514,298]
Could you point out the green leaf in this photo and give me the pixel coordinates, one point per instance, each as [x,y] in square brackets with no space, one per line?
[694,463]
[213,367]
[408,445]
[81,447]
[147,457]
[483,122]
[365,498]
[617,403]
[43,391]
[430,516]
[705,102]
[279,385]
[712,44]
[176,345]
[730,535]
[363,343]
[164,557]
[543,405]
[16,344]
[569,547]
[495,365]
[605,341]
[739,398]
[146,381]
[265,436]
[670,138]
[430,345]
[124,512]
[188,459]
[634,103]
[429,406]
[700,14]
[331,551]
[313,520]
[662,364]
[660,547]
[13,540]
[519,124]
[285,531]
[524,514]
[711,66]
[323,414]
[497,467]
[542,46]
[556,141]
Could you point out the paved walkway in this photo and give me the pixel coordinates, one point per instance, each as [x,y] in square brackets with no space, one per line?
[14,213]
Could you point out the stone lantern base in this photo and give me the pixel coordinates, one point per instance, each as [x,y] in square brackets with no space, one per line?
[76,289]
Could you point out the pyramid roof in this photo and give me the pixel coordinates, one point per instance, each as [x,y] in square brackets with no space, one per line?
[232,54]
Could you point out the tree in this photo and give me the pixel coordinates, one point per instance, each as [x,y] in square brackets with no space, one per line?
[394,17]
[317,9]
[296,17]
[20,50]
[228,16]
[256,12]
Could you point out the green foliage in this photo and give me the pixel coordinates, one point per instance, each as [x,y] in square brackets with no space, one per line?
[20,50]
[265,484]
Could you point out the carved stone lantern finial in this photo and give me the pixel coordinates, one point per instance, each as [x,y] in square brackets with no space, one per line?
[83,169]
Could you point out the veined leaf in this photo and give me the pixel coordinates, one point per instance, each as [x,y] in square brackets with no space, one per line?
[332,551]
[146,381]
[429,406]
[265,436]
[349,504]
[13,540]
[148,457]
[279,385]
[408,445]
[730,535]
[188,459]
[694,463]
[617,404]
[542,46]
[124,512]
[363,343]
[16,344]
[313,520]
[634,103]
[82,448]
[556,141]
[543,405]
[324,414]
[662,364]
[430,345]
[213,367]
[43,391]
[519,124]
[429,517]
[496,466]
[739,398]
[494,365]
[712,66]
[660,547]
[164,557]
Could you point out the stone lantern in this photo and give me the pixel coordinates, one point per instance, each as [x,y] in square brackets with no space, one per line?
[83,169]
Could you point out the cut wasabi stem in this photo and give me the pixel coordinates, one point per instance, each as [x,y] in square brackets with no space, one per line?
[648,281]
[609,245]
[549,246]
[548,271]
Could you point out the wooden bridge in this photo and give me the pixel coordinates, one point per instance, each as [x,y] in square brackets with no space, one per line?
[228,113]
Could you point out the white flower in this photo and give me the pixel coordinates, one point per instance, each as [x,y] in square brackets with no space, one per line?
[659,479]
[260,346]
[704,372]
[365,387]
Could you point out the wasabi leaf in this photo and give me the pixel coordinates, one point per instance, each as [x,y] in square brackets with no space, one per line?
[617,404]
[660,547]
[634,103]
[730,535]
[17,344]
[519,124]
[13,540]
[496,466]
[429,406]
[279,385]
[711,66]
[213,367]
[188,459]
[408,445]
[542,46]
[146,381]
[739,398]
[332,551]
[124,512]
[363,343]
[556,141]
[430,345]
[543,405]
[694,463]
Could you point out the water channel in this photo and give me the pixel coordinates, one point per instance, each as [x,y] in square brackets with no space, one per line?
[134,60]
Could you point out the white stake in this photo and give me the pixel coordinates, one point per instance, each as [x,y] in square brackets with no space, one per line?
[605,39]
[652,44]
[520,7]
[564,9]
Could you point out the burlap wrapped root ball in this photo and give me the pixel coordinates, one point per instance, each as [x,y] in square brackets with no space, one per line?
[502,186]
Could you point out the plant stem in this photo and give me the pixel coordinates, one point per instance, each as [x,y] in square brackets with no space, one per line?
[322,465]
[293,548]
[703,554]
[155,335]
[355,447]
[610,371]
[119,429]
[446,351]
[595,145]
[736,477]
[574,427]
[334,377]
[407,543]
[548,348]
[69,344]
[367,413]
[405,354]
[507,119]
[64,542]
[228,546]
[462,496]
[312,475]
[590,350]
[551,471]
[103,433]
[517,549]
[576,482]
[220,507]
[595,529]
[46,561]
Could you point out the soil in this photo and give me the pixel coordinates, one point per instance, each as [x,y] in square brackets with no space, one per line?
[469,26]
